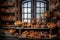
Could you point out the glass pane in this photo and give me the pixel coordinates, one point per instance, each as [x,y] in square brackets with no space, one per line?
[42,10]
[25,20]
[42,4]
[29,15]
[25,4]
[29,10]
[42,15]
[38,4]
[25,15]
[29,4]
[38,15]
[45,9]
[38,10]
[28,21]
[25,10]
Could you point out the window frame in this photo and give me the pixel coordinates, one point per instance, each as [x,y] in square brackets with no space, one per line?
[33,8]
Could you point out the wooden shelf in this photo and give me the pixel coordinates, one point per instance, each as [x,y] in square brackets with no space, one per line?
[7,21]
[10,35]
[33,28]
[36,38]
[6,13]
[7,6]
[8,27]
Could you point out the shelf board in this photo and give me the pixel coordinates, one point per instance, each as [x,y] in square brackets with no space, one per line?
[7,6]
[8,27]
[10,35]
[35,38]
[6,13]
[7,21]
[33,28]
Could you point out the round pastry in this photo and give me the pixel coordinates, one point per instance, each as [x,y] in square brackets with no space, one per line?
[36,26]
[18,23]
[46,14]
[11,31]
[58,23]
[33,21]
[29,25]
[51,25]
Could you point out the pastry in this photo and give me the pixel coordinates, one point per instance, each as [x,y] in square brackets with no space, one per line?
[46,14]
[18,23]
[51,25]
[33,21]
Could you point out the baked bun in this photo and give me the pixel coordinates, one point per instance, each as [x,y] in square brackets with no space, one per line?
[51,25]
[18,23]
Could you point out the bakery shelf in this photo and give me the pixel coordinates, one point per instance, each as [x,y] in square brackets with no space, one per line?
[40,38]
[33,28]
[7,21]
[36,38]
[10,35]
[6,13]
[8,27]
[7,6]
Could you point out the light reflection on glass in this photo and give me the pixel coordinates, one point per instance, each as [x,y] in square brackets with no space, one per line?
[29,10]
[29,4]
[42,10]
[25,4]
[42,4]
[25,10]
[29,15]
[38,10]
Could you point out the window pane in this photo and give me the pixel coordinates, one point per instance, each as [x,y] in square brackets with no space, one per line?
[42,10]
[45,9]
[29,10]
[25,10]
[38,15]
[25,20]
[38,10]
[38,4]
[28,21]
[25,15]
[42,16]
[42,4]
[25,4]
[29,15]
[29,4]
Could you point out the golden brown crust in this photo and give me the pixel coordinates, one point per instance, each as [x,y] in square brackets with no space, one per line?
[51,25]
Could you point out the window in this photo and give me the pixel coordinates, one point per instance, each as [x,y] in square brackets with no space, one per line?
[33,9]
[40,9]
[26,11]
